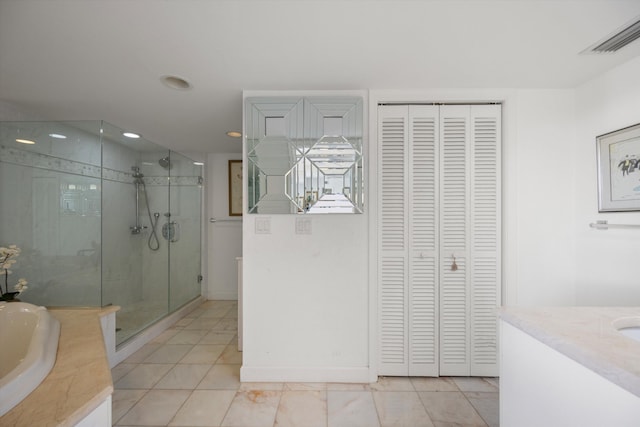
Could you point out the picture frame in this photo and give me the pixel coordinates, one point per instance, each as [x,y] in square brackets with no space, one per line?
[235,187]
[618,155]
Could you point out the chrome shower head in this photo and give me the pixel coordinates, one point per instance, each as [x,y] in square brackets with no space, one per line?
[165,162]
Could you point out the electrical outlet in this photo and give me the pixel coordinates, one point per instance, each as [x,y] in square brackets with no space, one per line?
[263,225]
[303,225]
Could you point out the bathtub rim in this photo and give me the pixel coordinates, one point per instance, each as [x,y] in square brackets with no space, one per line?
[39,361]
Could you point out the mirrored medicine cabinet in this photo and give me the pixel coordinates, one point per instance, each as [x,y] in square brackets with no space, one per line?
[304,155]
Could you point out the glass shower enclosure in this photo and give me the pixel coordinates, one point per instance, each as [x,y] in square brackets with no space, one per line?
[101,218]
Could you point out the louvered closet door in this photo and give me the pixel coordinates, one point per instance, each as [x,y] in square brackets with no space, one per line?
[393,245]
[408,269]
[470,231]
[485,238]
[423,241]
[455,137]
[439,203]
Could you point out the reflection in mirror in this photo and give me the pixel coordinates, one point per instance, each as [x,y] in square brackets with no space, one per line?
[304,155]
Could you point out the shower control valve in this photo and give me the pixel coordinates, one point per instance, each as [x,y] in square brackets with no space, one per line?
[137,229]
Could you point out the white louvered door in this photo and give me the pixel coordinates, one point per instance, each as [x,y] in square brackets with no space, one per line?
[439,201]
[422,216]
[485,237]
[454,205]
[392,240]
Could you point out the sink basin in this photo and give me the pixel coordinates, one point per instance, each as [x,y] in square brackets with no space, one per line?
[629,327]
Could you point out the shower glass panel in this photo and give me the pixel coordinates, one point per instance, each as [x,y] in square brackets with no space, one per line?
[88,207]
[182,230]
[50,192]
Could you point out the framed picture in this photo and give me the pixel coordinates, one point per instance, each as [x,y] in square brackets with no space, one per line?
[619,170]
[235,187]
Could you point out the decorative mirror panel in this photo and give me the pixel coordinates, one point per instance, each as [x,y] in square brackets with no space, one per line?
[304,155]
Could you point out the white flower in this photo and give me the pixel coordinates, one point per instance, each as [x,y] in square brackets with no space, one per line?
[6,262]
[21,286]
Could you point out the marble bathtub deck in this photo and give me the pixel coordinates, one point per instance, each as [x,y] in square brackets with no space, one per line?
[189,376]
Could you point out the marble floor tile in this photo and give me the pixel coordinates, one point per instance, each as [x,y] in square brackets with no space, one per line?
[401,408]
[143,353]
[204,408]
[351,409]
[252,408]
[121,370]
[189,376]
[197,312]
[185,321]
[187,337]
[230,355]
[221,377]
[218,337]
[143,376]
[348,386]
[261,386]
[203,353]
[216,312]
[183,377]
[122,401]
[493,381]
[168,353]
[474,384]
[165,336]
[487,405]
[156,408]
[302,409]
[305,386]
[204,323]
[451,407]
[226,324]
[392,384]
[434,384]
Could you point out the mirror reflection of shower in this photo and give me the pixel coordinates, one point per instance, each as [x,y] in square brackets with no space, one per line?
[138,181]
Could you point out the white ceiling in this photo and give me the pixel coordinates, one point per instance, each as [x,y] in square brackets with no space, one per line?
[103,59]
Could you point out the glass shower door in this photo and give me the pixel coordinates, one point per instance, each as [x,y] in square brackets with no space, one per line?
[183,230]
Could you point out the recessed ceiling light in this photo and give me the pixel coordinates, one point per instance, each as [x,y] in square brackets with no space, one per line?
[131,135]
[198,163]
[175,82]
[57,136]
[25,141]
[234,134]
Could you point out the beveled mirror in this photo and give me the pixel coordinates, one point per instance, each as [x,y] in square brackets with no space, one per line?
[304,155]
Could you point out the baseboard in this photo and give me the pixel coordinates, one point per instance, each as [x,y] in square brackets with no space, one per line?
[128,348]
[296,374]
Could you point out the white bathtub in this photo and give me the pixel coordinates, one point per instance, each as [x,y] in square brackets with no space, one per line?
[28,345]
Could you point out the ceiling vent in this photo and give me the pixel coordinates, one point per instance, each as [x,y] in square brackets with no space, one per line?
[618,40]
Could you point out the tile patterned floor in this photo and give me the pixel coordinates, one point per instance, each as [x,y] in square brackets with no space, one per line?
[189,376]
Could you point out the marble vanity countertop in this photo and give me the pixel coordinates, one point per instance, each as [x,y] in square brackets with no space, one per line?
[80,379]
[586,335]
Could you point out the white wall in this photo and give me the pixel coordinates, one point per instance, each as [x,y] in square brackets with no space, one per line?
[541,160]
[225,235]
[606,271]
[306,300]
